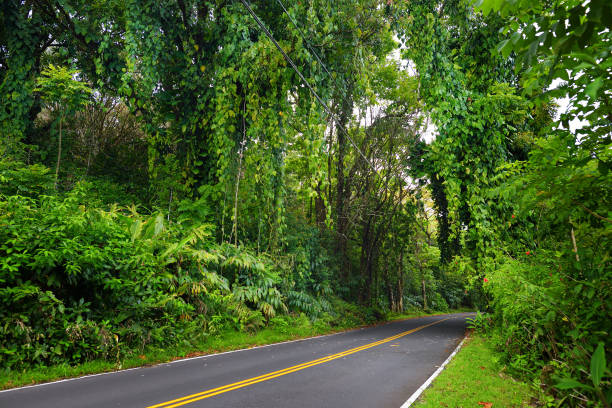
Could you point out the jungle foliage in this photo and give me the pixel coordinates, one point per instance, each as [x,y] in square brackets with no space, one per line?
[166,175]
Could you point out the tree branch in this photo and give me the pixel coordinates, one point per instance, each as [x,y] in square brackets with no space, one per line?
[593,213]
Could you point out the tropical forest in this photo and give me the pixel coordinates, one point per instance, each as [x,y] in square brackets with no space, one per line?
[185,176]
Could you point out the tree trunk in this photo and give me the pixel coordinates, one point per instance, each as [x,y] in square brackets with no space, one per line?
[235,223]
[341,217]
[170,203]
[400,282]
[59,153]
[319,208]
[449,247]
[240,154]
[391,296]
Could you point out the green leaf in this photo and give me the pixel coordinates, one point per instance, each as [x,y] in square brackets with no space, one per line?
[598,364]
[159,224]
[593,87]
[584,57]
[570,383]
[504,48]
[603,167]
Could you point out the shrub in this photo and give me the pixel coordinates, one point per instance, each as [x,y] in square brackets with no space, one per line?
[80,282]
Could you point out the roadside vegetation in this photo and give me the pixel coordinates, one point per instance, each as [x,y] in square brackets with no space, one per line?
[474,378]
[167,178]
[279,329]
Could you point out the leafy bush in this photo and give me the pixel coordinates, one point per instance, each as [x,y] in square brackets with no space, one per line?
[481,322]
[551,321]
[438,303]
[452,290]
[80,282]
[27,181]
[281,324]
[374,314]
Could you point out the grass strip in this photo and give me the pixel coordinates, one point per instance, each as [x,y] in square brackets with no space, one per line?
[474,379]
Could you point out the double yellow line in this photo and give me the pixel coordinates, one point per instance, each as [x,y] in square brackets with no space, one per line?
[188,399]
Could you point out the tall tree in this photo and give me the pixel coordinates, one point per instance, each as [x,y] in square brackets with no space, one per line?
[471,94]
[64,95]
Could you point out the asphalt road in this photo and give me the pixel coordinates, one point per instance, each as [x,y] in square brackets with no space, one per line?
[373,367]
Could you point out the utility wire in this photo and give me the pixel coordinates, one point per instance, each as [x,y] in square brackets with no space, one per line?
[310,46]
[341,89]
[295,68]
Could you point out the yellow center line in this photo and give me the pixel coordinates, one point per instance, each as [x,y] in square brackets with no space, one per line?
[268,376]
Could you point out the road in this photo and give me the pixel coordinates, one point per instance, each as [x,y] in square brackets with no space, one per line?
[373,367]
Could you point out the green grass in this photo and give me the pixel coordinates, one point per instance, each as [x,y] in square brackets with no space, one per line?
[473,377]
[420,313]
[287,328]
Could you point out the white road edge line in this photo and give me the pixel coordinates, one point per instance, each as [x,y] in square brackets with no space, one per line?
[204,356]
[427,383]
[168,362]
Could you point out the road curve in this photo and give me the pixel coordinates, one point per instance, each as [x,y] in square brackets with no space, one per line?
[372,367]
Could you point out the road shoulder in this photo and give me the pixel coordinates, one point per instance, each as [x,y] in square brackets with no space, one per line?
[474,379]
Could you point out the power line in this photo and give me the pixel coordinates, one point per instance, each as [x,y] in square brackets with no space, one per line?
[310,46]
[295,68]
[340,90]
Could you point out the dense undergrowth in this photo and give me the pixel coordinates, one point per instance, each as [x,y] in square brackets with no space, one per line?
[550,290]
[84,279]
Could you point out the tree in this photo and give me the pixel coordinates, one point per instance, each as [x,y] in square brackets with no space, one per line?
[63,94]
[569,44]
[474,101]
[550,288]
